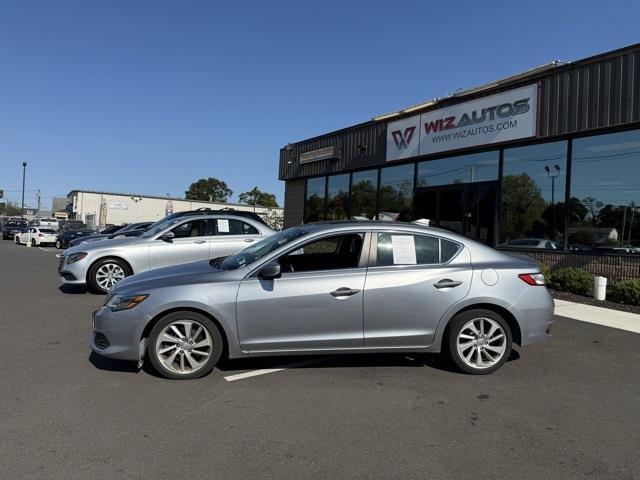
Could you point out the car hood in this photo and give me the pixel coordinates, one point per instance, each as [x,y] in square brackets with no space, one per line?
[192,273]
[94,246]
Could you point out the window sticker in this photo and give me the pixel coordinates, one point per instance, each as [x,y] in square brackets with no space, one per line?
[223,226]
[404,250]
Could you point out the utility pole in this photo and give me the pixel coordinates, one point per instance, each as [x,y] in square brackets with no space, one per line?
[24,172]
[38,196]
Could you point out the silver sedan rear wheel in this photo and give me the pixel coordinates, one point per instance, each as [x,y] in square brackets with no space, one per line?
[184,346]
[481,343]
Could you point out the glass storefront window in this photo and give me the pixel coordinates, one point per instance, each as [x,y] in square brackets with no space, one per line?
[477,167]
[364,186]
[337,197]
[605,192]
[396,192]
[533,193]
[314,200]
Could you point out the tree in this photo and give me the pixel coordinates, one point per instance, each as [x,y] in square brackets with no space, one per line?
[593,206]
[9,209]
[208,190]
[259,198]
[522,205]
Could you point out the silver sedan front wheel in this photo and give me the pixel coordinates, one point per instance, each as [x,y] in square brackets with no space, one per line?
[108,275]
[184,345]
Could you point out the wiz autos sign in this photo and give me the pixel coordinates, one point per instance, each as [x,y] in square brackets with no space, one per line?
[498,118]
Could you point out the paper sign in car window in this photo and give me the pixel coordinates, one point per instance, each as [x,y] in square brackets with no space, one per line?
[223,226]
[404,250]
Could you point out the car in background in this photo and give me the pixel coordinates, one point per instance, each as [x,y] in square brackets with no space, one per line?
[13,226]
[37,236]
[63,239]
[326,288]
[531,243]
[617,249]
[131,230]
[49,223]
[71,225]
[179,238]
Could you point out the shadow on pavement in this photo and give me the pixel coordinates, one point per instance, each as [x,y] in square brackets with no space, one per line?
[73,289]
[108,364]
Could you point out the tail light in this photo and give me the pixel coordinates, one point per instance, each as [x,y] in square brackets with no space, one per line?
[533,279]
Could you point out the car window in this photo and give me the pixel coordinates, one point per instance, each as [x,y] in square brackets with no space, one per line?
[194,228]
[409,249]
[230,226]
[47,230]
[330,253]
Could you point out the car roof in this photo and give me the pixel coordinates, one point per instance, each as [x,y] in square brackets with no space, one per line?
[225,211]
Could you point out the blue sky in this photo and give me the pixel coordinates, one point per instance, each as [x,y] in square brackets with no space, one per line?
[148,96]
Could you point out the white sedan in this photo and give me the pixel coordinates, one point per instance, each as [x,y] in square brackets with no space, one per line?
[36,236]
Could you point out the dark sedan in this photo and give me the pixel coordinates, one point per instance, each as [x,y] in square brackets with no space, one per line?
[131,230]
[11,227]
[67,236]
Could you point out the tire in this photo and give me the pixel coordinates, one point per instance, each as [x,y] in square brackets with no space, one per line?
[33,242]
[161,351]
[105,273]
[58,244]
[17,240]
[469,350]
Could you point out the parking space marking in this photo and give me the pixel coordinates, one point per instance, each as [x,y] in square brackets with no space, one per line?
[266,371]
[46,249]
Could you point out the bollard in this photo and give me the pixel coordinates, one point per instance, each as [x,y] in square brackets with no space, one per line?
[600,288]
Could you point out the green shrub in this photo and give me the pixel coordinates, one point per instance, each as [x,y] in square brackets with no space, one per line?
[573,280]
[627,291]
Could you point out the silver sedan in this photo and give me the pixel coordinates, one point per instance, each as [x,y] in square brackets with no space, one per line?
[327,288]
[179,238]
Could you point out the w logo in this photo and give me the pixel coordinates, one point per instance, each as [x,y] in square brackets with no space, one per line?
[402,140]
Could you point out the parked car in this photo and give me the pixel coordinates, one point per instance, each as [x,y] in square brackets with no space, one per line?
[64,238]
[71,225]
[11,227]
[532,243]
[330,288]
[131,230]
[36,236]
[49,223]
[179,238]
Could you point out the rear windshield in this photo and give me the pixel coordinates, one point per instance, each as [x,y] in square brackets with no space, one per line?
[47,230]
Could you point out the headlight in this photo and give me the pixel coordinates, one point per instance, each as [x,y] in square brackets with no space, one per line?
[123,302]
[76,257]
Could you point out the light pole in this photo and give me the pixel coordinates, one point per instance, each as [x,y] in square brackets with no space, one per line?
[553,174]
[24,172]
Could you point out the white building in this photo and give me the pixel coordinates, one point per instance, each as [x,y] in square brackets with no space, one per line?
[101,208]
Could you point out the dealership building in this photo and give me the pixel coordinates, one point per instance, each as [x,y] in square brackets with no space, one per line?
[548,155]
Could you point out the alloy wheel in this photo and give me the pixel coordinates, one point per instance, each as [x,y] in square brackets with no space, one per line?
[481,343]
[108,275]
[184,346]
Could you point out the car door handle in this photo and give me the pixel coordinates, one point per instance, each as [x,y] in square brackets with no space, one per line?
[199,241]
[345,292]
[446,283]
[249,240]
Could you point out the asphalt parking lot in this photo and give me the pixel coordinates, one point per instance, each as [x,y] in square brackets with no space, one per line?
[566,409]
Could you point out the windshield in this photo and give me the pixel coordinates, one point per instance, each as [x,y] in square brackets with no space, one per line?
[161,225]
[260,249]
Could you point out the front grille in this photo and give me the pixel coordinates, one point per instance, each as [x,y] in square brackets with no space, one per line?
[60,263]
[101,341]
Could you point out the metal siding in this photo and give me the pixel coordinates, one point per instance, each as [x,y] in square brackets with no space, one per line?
[592,94]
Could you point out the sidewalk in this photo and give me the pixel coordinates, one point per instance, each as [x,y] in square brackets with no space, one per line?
[598,315]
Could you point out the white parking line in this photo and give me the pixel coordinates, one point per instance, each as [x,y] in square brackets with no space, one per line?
[265,371]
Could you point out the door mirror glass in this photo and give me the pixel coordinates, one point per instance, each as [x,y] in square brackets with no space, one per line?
[167,236]
[270,271]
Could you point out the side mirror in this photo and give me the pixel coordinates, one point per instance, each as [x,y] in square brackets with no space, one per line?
[270,271]
[167,236]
